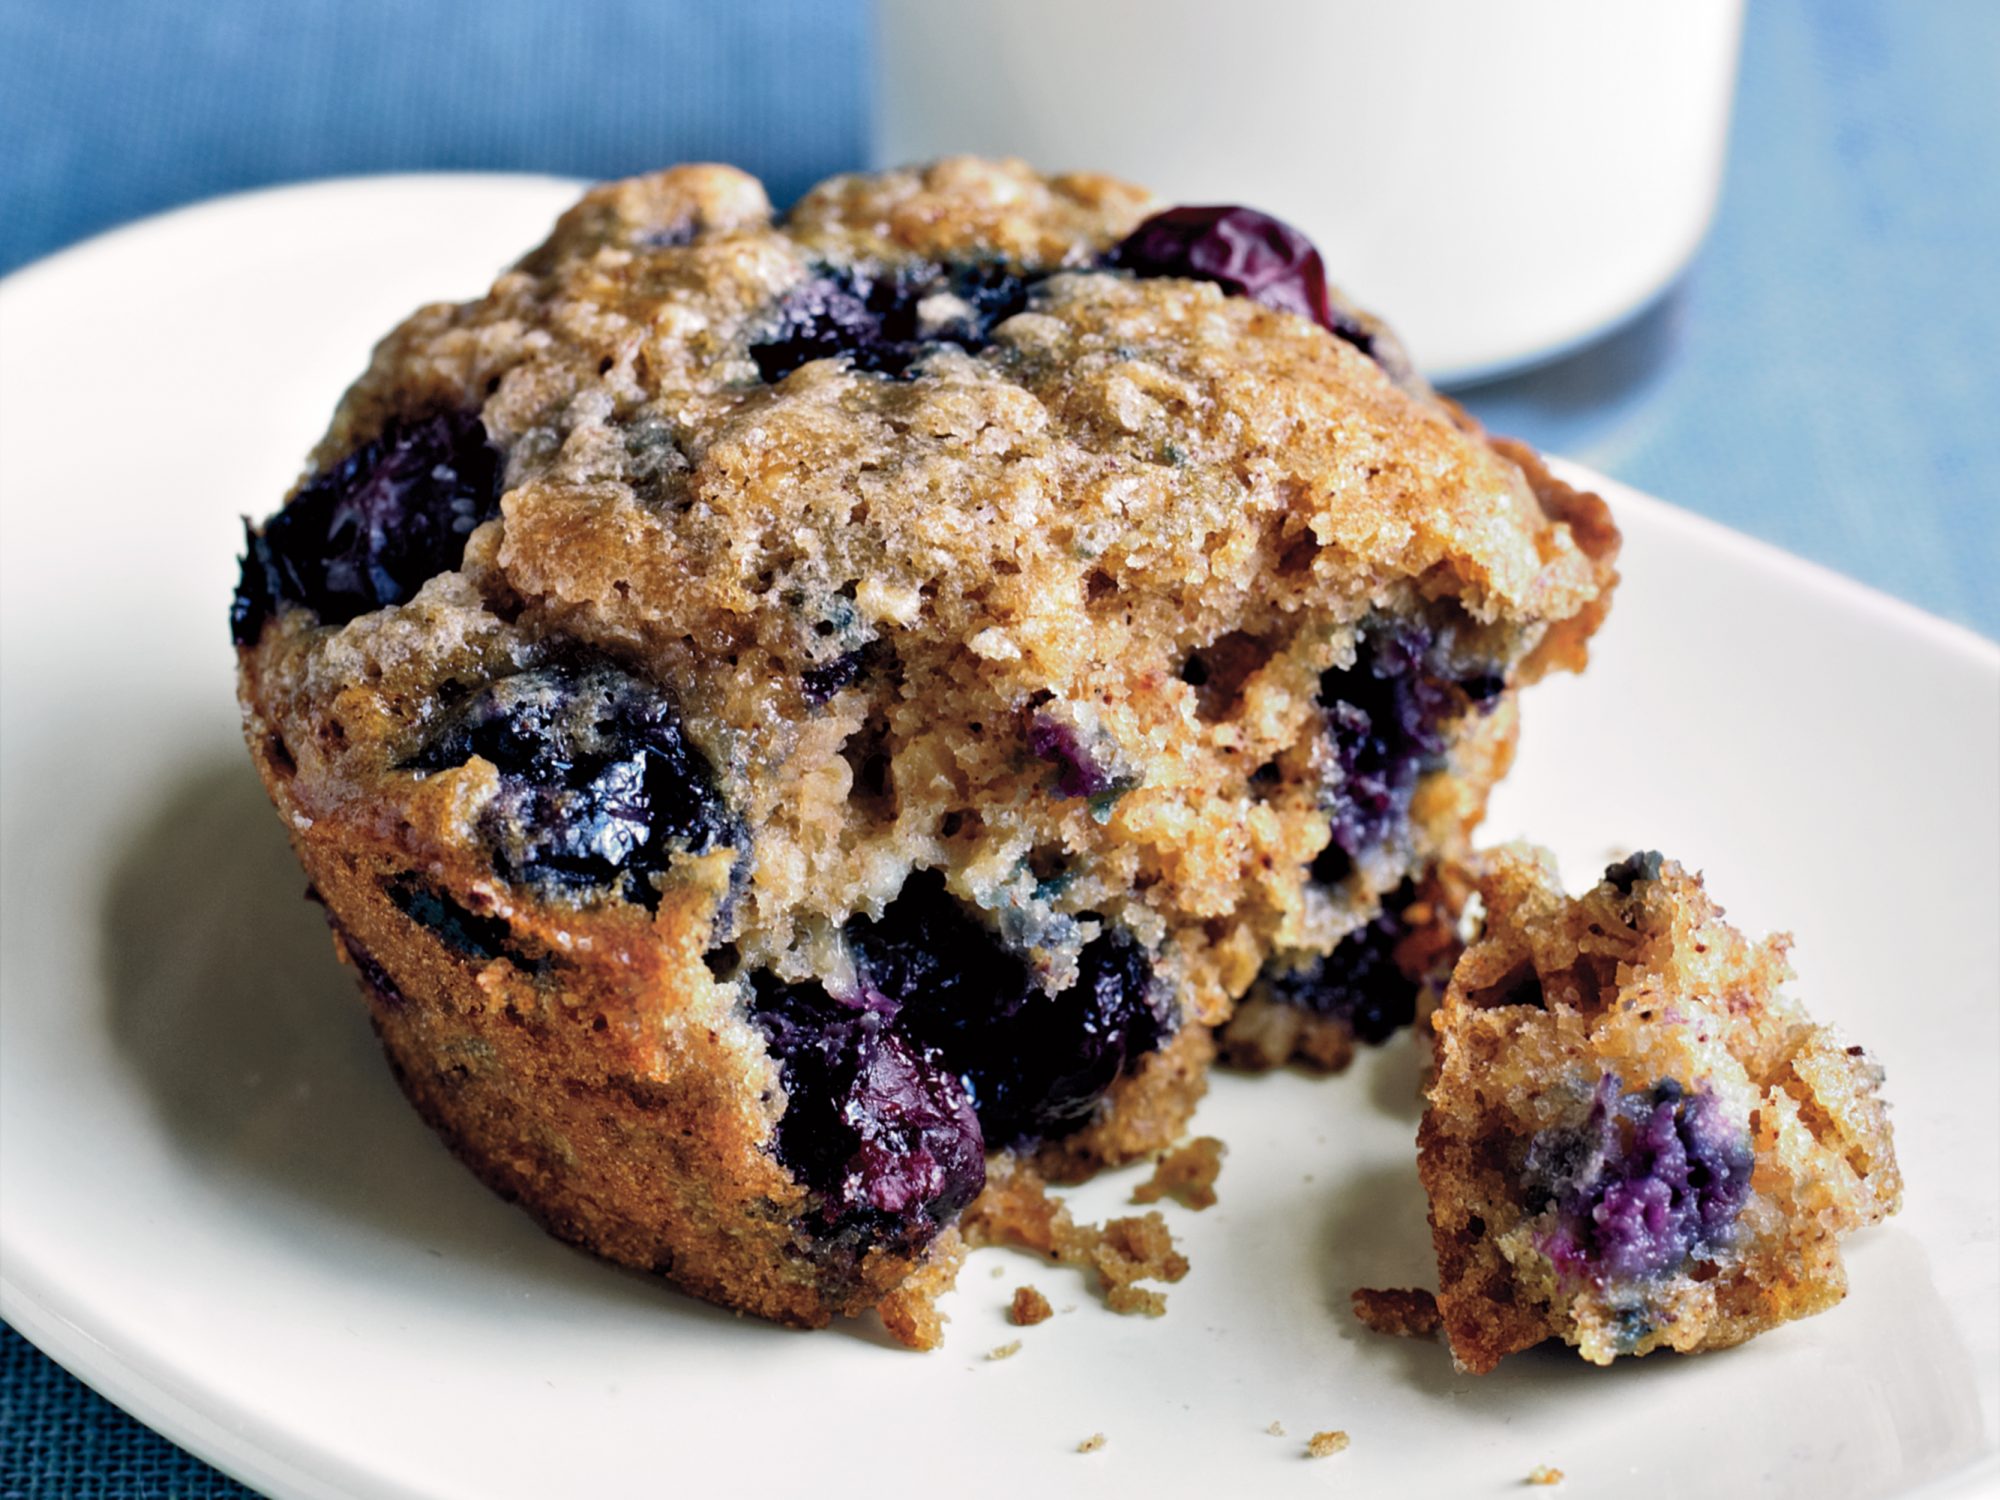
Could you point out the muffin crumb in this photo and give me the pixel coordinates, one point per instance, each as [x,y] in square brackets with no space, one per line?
[1186,1173]
[1405,1312]
[1326,1444]
[1091,1444]
[1017,1209]
[1005,1351]
[1030,1307]
[1636,1139]
[1276,1429]
[1545,1474]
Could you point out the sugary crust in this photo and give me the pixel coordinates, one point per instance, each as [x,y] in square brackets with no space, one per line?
[1133,470]
[1640,981]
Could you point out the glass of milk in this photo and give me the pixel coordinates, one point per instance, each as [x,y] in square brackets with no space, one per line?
[1499,179]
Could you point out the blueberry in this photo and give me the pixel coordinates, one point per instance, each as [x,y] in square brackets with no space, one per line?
[824,317]
[1246,253]
[1359,982]
[367,532]
[459,927]
[1386,720]
[1629,871]
[1077,772]
[599,786]
[1650,1179]
[1035,1064]
[820,683]
[885,321]
[876,1127]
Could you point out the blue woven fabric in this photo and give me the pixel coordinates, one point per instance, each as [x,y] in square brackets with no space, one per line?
[1825,378]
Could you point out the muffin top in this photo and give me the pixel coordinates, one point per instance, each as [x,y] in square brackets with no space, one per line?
[939,439]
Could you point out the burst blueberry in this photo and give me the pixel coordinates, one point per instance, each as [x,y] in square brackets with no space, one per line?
[1035,1064]
[1359,982]
[1078,772]
[367,532]
[885,321]
[599,786]
[877,1128]
[1650,1179]
[1386,718]
[462,929]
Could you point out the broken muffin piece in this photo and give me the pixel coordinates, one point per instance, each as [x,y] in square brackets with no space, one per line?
[1634,1139]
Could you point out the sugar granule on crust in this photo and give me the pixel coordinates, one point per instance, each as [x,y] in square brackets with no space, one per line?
[1326,1444]
[1636,1139]
[1017,1209]
[1186,1173]
[1404,1312]
[1030,1307]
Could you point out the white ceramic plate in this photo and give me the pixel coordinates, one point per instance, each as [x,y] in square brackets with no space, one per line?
[219,1212]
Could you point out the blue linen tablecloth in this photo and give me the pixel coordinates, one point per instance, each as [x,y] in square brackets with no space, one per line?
[1826,377]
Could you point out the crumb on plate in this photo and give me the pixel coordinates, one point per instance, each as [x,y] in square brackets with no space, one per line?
[1017,1209]
[1186,1173]
[1030,1307]
[1406,1312]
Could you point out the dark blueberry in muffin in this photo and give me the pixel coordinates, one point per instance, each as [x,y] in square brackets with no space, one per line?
[885,322]
[599,787]
[1035,1064]
[822,318]
[1650,1179]
[370,530]
[1078,773]
[466,930]
[820,683]
[1039,1072]
[878,1128]
[1386,718]
[1629,871]
[1245,252]
[1359,982]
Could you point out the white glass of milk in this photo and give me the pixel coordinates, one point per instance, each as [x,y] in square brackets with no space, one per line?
[1499,179]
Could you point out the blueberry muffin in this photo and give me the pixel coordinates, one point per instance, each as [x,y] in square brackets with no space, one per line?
[1635,1139]
[777,710]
